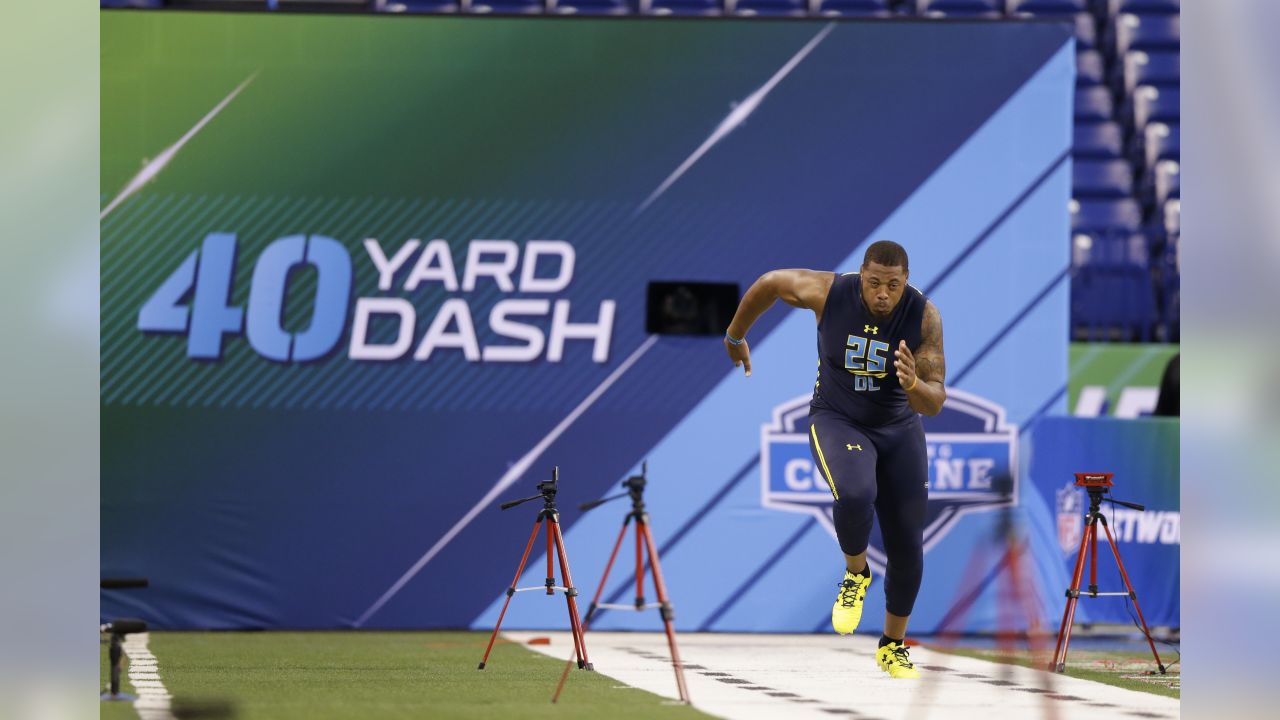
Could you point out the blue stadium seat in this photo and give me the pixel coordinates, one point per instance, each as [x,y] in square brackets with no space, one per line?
[1173,218]
[1112,300]
[1146,32]
[774,8]
[960,8]
[1049,7]
[1098,140]
[1090,68]
[1101,179]
[1157,67]
[685,7]
[508,7]
[1093,104]
[1171,290]
[1163,142]
[131,3]
[1112,250]
[1167,184]
[591,7]
[424,6]
[1141,7]
[1152,104]
[854,8]
[1106,217]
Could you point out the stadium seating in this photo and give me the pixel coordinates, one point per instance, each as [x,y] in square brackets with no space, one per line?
[772,8]
[1145,32]
[1167,182]
[1090,68]
[960,8]
[1141,7]
[1106,217]
[1112,293]
[508,7]
[1094,104]
[593,7]
[1048,7]
[1159,68]
[1102,179]
[1152,104]
[1171,290]
[1163,142]
[1098,140]
[854,8]
[685,7]
[424,6]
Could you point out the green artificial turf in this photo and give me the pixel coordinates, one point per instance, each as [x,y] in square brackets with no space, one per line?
[315,675]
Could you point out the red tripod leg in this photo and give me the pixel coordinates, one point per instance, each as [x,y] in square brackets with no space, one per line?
[668,616]
[586,622]
[1069,613]
[574,620]
[511,590]
[639,566]
[1133,596]
[591,609]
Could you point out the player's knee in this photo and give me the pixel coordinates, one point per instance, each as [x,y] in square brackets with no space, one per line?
[857,499]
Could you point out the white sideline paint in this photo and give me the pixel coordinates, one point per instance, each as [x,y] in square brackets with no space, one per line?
[738,115]
[153,699]
[153,168]
[830,676]
[513,474]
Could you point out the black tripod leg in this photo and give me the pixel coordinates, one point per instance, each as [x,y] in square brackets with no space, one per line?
[114,654]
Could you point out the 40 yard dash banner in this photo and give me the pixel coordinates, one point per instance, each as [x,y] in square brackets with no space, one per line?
[364,278]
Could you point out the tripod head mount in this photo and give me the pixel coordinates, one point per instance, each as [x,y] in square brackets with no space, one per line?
[634,487]
[1098,485]
[546,491]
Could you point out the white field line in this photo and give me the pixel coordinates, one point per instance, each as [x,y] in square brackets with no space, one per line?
[144,674]
[803,677]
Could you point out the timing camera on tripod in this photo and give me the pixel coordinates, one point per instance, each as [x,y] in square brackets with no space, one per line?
[1097,485]
[555,548]
[644,542]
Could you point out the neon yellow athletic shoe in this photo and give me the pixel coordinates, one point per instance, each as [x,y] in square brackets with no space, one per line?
[893,660]
[847,611]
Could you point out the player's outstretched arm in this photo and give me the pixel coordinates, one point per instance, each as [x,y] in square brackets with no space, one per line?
[923,373]
[798,288]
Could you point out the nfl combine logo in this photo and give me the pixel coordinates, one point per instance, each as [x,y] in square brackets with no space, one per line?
[972,465]
[1070,518]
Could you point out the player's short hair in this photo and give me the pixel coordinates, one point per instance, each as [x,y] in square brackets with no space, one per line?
[887,253]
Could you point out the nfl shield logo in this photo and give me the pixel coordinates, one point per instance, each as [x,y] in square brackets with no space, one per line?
[1070,520]
[972,456]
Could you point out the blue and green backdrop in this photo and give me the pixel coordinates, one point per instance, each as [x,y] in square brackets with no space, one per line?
[364,278]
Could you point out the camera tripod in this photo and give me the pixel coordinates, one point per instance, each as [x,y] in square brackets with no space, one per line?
[644,541]
[555,547]
[1097,484]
